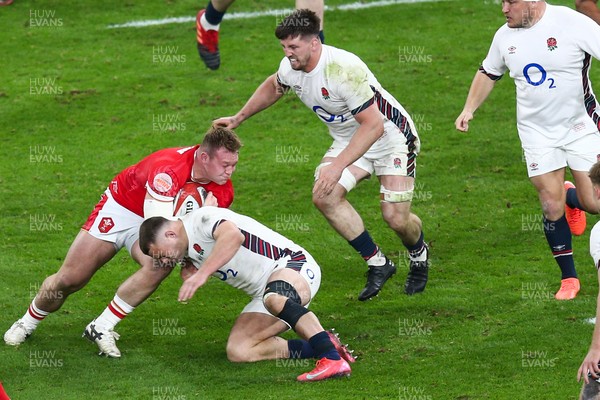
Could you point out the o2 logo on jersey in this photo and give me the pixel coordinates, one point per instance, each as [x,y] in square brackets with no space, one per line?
[533,67]
[326,115]
[225,275]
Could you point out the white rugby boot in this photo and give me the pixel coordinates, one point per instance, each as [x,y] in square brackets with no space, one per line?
[17,333]
[105,339]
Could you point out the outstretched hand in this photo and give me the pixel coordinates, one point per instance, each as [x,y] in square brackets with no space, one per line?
[189,287]
[226,122]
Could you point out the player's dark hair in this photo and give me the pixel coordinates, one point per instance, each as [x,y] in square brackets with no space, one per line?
[595,174]
[148,231]
[303,22]
[219,137]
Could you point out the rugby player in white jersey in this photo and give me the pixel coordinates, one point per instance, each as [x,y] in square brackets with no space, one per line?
[372,133]
[589,367]
[280,276]
[547,50]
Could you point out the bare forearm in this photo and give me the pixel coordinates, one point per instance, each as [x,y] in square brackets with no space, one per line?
[369,130]
[481,87]
[228,240]
[264,96]
[361,142]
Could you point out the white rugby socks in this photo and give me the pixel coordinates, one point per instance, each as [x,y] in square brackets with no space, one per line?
[116,310]
[33,316]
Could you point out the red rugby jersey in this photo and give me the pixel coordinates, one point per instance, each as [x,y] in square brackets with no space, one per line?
[162,174]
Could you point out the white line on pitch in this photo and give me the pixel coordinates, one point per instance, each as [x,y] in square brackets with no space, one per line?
[267,13]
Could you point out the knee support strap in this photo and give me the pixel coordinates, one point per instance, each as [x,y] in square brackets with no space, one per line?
[282,288]
[347,180]
[292,312]
[390,196]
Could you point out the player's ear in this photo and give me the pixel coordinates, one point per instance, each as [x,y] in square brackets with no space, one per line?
[314,42]
[596,191]
[204,157]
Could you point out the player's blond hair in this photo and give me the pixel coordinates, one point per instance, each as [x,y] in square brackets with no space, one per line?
[218,137]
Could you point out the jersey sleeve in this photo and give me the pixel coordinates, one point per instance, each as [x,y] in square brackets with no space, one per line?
[493,65]
[284,69]
[595,244]
[163,183]
[204,221]
[587,34]
[350,81]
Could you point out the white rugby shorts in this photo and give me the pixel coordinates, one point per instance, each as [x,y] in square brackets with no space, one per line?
[578,155]
[393,158]
[111,222]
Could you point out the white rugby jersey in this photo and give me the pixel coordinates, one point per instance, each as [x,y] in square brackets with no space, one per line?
[249,269]
[550,63]
[340,86]
[595,244]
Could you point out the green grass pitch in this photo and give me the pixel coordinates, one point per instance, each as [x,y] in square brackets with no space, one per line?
[79,102]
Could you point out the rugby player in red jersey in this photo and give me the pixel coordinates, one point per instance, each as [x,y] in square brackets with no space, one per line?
[141,191]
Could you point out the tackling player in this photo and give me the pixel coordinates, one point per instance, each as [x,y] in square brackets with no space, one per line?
[208,22]
[372,133]
[547,51]
[140,191]
[280,276]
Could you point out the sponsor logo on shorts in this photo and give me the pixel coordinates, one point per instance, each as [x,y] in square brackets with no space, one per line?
[106,224]
[533,166]
[162,182]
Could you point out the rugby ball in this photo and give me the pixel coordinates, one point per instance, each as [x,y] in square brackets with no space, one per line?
[190,197]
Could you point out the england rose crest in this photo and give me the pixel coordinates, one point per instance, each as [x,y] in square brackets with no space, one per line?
[325,93]
[552,44]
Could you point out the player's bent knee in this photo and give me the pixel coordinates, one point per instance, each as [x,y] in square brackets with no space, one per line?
[281,288]
[292,310]
[347,180]
[397,223]
[238,353]
[64,283]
